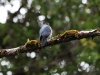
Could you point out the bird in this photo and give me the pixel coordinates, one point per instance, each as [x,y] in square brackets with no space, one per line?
[45,33]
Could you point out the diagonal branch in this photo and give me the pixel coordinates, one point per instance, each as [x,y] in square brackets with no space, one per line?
[35,45]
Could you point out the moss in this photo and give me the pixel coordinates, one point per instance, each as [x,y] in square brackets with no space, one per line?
[55,38]
[70,33]
[67,33]
[32,43]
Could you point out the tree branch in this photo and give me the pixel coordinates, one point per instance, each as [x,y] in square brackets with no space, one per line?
[35,45]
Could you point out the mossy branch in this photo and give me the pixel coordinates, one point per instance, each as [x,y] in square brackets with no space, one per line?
[35,45]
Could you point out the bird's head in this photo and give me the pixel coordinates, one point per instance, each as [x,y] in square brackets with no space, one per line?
[45,23]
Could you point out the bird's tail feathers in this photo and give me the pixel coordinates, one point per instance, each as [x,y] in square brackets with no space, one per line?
[44,43]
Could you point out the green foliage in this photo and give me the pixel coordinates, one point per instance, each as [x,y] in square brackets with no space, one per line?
[80,57]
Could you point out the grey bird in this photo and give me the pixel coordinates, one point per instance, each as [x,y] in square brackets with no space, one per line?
[45,33]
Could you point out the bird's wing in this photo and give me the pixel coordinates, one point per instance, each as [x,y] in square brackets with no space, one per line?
[45,31]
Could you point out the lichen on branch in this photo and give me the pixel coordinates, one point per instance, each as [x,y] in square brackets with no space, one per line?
[35,45]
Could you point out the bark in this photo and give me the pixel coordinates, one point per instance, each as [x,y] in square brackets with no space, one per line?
[35,45]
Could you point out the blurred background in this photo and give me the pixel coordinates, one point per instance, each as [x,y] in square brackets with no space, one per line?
[18,22]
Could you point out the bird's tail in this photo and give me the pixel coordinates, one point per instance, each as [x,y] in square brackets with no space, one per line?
[44,41]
